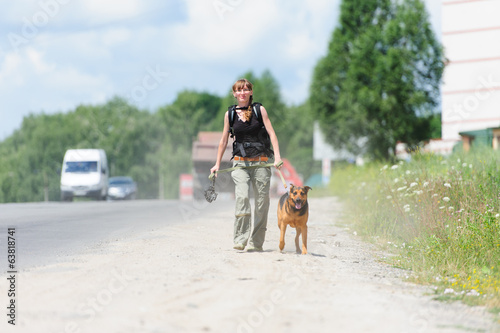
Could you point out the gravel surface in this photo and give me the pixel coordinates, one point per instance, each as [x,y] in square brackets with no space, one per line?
[187,278]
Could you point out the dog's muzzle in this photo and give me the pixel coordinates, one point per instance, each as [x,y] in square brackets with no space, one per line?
[298,204]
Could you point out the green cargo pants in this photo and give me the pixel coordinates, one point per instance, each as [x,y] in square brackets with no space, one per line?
[260,178]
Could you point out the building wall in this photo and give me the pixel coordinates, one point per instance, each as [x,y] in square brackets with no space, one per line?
[471,81]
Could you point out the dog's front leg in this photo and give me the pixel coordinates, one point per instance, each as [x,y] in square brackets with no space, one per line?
[282,236]
[304,240]
[297,246]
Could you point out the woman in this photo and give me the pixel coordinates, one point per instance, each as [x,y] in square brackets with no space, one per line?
[249,150]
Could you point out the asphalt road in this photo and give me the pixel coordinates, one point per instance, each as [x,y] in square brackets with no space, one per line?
[47,232]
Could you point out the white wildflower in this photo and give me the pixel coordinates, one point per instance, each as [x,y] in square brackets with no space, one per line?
[408,172]
[470,166]
[446,199]
[449,291]
[497,216]
[442,207]
[413,185]
[451,208]
[389,197]
[426,184]
[402,188]
[447,185]
[472,292]
[385,167]
[464,165]
[458,161]
[406,208]
[394,167]
[419,192]
[396,180]
[434,195]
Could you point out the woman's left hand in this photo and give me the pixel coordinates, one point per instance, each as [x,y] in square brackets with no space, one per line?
[278,163]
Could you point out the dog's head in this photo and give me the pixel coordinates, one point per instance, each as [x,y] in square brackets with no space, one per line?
[299,195]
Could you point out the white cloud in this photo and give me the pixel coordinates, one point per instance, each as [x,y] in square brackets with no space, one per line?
[29,73]
[116,36]
[10,64]
[110,10]
[89,50]
[222,36]
[37,63]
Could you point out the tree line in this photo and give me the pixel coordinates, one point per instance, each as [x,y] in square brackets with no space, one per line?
[152,147]
[377,84]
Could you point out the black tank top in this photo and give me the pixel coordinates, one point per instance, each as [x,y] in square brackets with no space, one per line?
[247,131]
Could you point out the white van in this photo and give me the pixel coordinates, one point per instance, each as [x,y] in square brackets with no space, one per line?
[84,173]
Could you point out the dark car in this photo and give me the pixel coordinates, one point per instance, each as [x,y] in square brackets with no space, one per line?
[122,188]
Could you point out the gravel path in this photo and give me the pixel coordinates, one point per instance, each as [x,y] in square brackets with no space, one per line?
[187,278]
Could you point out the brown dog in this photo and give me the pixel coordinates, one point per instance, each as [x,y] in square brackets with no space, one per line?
[293,210]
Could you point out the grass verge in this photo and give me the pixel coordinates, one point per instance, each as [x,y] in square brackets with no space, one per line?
[440,216]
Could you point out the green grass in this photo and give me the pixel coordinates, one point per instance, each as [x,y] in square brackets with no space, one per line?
[439,215]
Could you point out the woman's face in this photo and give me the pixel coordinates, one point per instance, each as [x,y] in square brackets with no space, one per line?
[242,95]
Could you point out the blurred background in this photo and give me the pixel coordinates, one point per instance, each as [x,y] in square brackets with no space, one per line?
[142,79]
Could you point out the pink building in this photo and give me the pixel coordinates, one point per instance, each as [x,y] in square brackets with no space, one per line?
[471,80]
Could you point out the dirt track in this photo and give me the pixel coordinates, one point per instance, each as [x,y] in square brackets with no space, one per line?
[187,278]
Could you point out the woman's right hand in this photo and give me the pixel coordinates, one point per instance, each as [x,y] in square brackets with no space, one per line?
[214,169]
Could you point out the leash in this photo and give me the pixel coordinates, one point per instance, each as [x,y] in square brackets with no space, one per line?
[212,176]
[210,194]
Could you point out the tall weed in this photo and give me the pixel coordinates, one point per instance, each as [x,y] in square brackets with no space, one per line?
[441,216]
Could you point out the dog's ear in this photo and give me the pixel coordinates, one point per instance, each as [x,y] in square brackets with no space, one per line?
[292,186]
[307,188]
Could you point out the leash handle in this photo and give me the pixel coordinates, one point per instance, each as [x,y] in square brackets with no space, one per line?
[281,175]
[212,176]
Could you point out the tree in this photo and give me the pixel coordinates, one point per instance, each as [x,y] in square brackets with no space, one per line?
[32,156]
[380,77]
[297,141]
[190,113]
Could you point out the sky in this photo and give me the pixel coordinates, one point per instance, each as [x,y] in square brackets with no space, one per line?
[58,54]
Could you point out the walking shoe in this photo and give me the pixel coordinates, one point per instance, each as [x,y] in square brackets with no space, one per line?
[254,249]
[240,247]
